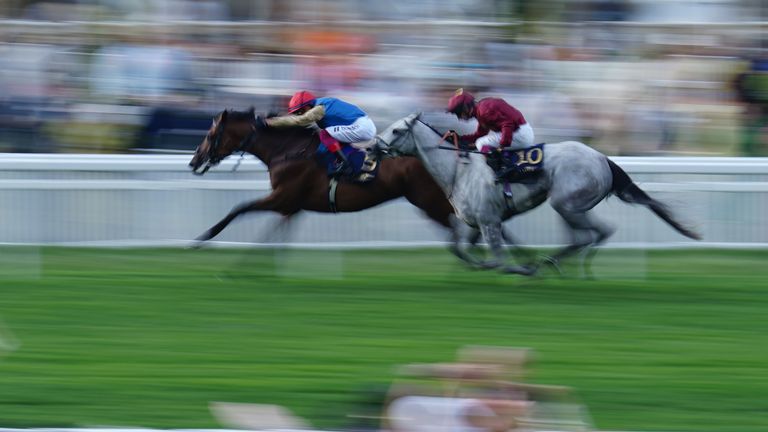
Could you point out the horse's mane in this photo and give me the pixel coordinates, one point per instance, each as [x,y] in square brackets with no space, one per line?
[442,122]
[434,129]
[240,115]
[288,135]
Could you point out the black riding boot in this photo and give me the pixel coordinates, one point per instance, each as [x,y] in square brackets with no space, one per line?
[344,167]
[508,173]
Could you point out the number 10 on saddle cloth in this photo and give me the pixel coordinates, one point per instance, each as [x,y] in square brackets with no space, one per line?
[512,164]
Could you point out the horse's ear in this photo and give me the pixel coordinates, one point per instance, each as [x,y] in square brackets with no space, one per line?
[224,115]
[252,111]
[413,117]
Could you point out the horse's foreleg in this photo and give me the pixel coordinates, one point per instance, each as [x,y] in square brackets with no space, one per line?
[268,203]
[521,253]
[247,258]
[277,232]
[457,247]
[493,236]
[474,236]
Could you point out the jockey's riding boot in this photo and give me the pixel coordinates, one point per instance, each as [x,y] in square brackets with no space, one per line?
[344,167]
[504,174]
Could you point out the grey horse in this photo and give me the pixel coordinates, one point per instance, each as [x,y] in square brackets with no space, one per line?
[575,179]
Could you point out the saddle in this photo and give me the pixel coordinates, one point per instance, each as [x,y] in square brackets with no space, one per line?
[517,165]
[363,164]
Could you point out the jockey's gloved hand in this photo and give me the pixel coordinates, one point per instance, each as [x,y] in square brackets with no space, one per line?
[260,123]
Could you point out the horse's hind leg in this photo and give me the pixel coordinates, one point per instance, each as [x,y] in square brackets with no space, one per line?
[277,233]
[602,233]
[586,232]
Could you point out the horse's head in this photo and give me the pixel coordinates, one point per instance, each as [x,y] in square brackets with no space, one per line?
[231,131]
[398,138]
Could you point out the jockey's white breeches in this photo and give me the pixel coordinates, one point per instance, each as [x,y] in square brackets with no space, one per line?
[522,138]
[363,129]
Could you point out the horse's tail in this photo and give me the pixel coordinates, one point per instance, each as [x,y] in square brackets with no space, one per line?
[628,191]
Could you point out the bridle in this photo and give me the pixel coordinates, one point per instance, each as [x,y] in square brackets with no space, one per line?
[214,158]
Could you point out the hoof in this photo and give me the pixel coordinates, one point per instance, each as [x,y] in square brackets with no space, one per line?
[553,263]
[196,244]
[521,270]
[204,237]
[465,257]
[487,265]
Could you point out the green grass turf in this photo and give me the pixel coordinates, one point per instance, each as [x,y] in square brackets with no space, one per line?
[663,340]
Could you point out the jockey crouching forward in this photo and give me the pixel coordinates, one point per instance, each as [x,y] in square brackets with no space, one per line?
[499,125]
[341,123]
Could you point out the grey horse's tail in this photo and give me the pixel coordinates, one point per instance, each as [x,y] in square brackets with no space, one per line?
[628,191]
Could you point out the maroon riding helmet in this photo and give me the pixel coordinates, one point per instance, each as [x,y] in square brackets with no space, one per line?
[459,101]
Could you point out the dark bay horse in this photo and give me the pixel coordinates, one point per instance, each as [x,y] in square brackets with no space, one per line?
[299,182]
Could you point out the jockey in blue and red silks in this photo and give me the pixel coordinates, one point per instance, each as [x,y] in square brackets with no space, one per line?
[499,125]
[341,123]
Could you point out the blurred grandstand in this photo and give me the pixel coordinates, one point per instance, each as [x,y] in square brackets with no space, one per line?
[642,77]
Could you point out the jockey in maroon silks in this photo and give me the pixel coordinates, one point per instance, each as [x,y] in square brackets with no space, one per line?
[499,125]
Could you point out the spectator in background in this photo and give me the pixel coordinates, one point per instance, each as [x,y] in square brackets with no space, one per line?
[143,70]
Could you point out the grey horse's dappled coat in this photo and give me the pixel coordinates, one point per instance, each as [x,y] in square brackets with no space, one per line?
[575,178]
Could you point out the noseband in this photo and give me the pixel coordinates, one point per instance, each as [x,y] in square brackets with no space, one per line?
[214,158]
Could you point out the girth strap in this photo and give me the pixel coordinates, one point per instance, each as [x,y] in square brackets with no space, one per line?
[332,185]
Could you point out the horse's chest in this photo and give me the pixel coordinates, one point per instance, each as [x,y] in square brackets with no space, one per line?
[475,206]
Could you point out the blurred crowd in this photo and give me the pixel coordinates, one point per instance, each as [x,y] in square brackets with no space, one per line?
[632,77]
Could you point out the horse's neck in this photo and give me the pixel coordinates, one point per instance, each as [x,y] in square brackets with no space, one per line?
[442,164]
[284,144]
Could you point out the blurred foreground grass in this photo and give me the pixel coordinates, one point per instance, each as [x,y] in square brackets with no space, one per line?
[663,340]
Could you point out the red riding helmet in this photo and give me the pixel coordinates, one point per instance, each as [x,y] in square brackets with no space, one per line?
[459,100]
[300,100]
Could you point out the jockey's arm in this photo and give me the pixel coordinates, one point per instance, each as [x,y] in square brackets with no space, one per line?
[507,132]
[481,131]
[312,116]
